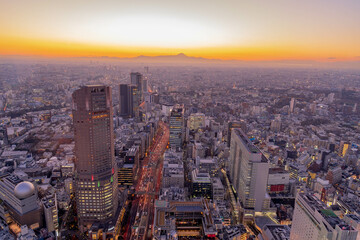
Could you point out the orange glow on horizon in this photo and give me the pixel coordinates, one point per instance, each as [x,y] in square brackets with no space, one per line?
[33,47]
[261,30]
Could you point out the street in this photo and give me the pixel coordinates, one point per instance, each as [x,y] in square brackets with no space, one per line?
[147,189]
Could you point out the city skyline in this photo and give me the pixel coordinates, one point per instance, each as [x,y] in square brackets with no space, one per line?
[95,150]
[251,31]
[178,120]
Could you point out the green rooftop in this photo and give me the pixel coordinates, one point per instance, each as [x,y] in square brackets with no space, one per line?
[328,213]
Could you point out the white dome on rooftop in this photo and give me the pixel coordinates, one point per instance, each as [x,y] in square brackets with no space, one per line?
[24,189]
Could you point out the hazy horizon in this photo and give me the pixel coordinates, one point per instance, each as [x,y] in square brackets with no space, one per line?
[231,30]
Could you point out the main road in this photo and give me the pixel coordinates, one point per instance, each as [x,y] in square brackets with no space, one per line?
[147,188]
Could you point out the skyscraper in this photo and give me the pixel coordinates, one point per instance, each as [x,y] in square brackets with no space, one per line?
[292,105]
[249,170]
[125,101]
[135,100]
[144,85]
[177,127]
[96,189]
[137,79]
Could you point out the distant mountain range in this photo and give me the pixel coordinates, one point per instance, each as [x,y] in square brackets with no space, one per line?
[183,59]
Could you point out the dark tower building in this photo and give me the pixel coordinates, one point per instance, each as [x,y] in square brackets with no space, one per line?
[96,173]
[125,101]
[135,96]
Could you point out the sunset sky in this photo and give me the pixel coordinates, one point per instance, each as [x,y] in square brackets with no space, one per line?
[325,30]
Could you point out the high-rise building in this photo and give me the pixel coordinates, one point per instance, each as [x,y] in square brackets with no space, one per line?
[240,124]
[144,85]
[51,213]
[96,189]
[292,105]
[125,101]
[312,220]
[135,100]
[177,127]
[137,79]
[249,170]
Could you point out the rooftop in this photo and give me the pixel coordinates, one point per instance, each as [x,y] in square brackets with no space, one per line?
[278,232]
[248,144]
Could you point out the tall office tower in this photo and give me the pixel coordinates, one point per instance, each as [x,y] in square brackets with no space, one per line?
[292,105]
[312,220]
[135,100]
[95,187]
[144,85]
[177,127]
[249,170]
[125,101]
[137,79]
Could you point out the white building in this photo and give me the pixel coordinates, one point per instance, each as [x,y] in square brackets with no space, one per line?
[278,180]
[354,221]
[312,220]
[173,171]
[20,198]
[51,213]
[249,170]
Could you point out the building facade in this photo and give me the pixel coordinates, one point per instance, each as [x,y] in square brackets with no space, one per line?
[20,202]
[249,170]
[96,174]
[125,101]
[177,127]
[312,220]
[137,80]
